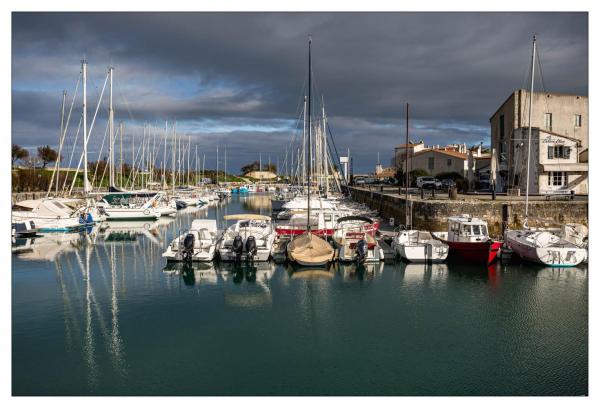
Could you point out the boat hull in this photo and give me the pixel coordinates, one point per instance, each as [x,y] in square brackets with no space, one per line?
[549,256]
[420,253]
[286,230]
[484,252]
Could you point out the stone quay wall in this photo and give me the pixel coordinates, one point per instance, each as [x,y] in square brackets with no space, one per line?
[432,215]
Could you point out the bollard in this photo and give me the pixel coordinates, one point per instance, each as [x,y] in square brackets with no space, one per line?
[453,193]
[422,193]
[505,217]
[433,192]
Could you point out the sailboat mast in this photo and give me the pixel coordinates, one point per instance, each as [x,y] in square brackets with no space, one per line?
[111,131]
[164,166]
[121,155]
[217,165]
[406,172]
[85,135]
[188,158]
[309,134]
[60,140]
[304,144]
[529,135]
[325,153]
[173,145]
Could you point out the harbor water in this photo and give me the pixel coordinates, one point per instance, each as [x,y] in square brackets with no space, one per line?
[101,313]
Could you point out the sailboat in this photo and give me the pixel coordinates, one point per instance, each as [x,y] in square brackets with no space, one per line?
[541,246]
[414,245]
[309,249]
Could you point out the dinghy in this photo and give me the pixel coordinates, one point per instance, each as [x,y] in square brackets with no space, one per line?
[309,249]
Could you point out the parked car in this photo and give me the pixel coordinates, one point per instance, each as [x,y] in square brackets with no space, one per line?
[428,183]
[447,183]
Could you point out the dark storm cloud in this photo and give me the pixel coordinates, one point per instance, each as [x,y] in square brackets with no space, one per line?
[240,75]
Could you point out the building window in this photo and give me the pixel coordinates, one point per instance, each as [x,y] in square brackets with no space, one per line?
[548,121]
[577,120]
[430,163]
[557,178]
[449,162]
[501,126]
[559,152]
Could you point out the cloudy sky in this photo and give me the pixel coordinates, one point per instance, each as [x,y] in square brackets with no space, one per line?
[237,79]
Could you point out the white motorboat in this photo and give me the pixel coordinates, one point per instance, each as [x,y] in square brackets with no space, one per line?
[51,214]
[23,229]
[250,238]
[354,241]
[544,247]
[419,246]
[124,206]
[199,243]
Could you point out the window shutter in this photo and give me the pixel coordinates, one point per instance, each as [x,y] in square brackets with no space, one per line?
[551,152]
[567,152]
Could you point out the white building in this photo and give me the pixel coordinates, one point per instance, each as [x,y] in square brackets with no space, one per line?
[555,163]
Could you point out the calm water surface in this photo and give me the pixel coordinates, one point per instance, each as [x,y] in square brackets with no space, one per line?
[101,314]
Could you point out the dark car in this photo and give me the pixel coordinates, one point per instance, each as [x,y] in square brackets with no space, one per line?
[447,183]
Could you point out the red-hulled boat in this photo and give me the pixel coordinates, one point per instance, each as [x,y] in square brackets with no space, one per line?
[322,225]
[469,241]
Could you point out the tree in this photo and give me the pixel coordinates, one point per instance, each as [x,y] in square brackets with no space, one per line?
[254,166]
[270,167]
[47,155]
[18,153]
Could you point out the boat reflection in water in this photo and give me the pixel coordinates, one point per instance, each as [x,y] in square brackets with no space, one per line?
[423,272]
[130,231]
[359,272]
[49,246]
[256,202]
[244,285]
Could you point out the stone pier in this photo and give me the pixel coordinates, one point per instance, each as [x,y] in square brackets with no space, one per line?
[432,214]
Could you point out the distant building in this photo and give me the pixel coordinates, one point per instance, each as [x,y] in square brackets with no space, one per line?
[562,114]
[262,175]
[555,162]
[436,160]
[384,172]
[401,150]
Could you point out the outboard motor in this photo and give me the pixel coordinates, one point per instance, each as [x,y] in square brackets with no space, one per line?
[238,247]
[250,248]
[361,250]
[188,247]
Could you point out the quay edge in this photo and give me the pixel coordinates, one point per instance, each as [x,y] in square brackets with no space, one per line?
[432,215]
